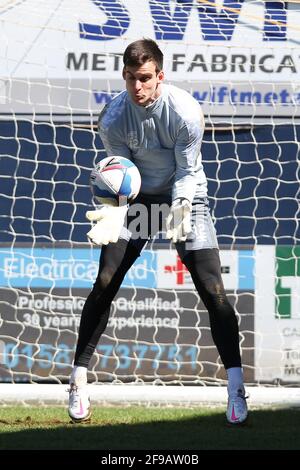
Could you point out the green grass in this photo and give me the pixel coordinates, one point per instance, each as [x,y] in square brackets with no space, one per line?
[148,428]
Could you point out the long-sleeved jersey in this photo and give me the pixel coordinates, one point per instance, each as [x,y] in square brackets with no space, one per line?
[163,139]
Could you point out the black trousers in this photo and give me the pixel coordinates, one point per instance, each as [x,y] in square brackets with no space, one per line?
[205,269]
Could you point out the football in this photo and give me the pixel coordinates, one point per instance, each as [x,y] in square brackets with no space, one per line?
[115,181]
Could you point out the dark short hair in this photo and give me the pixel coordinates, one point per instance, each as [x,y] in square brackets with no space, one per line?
[141,51]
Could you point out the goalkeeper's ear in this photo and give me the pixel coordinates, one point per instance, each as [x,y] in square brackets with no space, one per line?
[160,76]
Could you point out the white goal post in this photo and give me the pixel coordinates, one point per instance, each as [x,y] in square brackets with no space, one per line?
[60,62]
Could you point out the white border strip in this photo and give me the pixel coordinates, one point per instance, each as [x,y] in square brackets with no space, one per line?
[54,394]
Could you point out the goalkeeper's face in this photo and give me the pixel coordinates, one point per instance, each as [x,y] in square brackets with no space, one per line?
[143,83]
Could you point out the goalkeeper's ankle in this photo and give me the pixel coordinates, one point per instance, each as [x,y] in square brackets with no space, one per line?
[235,380]
[79,376]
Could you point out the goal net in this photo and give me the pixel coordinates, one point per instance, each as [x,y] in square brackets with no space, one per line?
[60,62]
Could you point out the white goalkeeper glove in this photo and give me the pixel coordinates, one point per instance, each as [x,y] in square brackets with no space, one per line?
[110,220]
[178,222]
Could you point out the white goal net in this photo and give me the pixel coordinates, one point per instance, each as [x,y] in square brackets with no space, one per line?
[60,62]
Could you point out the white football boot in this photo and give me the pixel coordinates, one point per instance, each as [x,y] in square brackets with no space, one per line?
[237,411]
[79,404]
[79,400]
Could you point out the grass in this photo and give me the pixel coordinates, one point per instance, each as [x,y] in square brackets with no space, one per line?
[134,428]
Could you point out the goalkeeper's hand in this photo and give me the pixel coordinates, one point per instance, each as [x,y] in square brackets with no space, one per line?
[178,222]
[109,222]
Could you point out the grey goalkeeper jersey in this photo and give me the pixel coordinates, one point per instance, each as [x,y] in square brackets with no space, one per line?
[162,139]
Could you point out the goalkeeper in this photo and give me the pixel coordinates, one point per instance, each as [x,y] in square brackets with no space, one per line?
[159,127]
